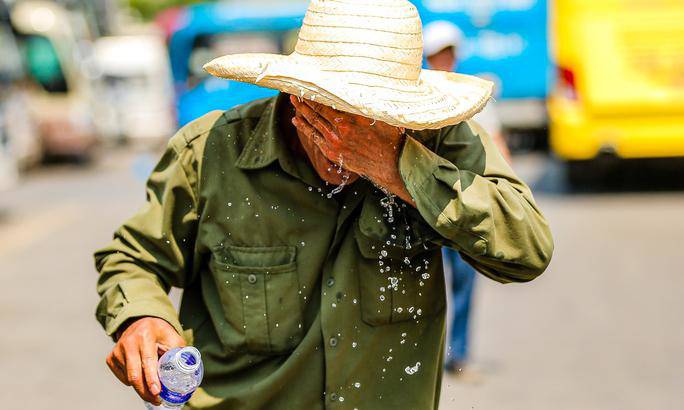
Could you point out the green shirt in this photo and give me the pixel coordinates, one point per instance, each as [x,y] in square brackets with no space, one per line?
[299,299]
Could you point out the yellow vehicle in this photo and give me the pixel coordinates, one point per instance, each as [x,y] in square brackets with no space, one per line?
[620,88]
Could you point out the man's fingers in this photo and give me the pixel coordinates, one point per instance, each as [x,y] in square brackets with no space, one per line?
[314,118]
[117,368]
[170,340]
[323,125]
[326,112]
[148,354]
[312,133]
[135,376]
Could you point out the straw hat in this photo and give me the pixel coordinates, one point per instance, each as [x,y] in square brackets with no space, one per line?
[363,57]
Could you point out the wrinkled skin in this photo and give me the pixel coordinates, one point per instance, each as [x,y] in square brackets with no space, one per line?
[364,146]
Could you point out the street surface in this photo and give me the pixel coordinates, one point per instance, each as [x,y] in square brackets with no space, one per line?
[602,329]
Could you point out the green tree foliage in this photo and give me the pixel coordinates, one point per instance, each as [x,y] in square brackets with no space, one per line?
[149,8]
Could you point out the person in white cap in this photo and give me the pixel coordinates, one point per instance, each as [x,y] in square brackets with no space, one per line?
[306,229]
[442,42]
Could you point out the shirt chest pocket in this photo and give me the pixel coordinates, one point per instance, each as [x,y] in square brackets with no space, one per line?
[398,285]
[259,292]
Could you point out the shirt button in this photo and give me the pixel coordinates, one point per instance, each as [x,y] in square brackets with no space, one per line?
[333,342]
[334,397]
[331,282]
[252,279]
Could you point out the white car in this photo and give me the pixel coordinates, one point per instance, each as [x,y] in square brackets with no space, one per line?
[136,91]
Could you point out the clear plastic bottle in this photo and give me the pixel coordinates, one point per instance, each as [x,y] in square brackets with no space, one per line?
[180,373]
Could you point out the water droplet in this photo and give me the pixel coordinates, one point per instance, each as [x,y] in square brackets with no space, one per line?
[302,243]
[383,253]
[382,298]
[230,204]
[354,344]
[357,385]
[341,398]
[410,370]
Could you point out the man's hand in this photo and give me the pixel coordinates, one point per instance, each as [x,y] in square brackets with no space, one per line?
[135,355]
[358,144]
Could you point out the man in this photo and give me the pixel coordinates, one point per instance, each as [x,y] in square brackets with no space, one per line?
[306,229]
[442,41]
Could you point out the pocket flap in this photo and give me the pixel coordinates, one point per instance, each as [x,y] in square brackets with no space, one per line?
[257,257]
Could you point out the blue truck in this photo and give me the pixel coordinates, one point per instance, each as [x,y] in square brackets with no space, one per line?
[507,42]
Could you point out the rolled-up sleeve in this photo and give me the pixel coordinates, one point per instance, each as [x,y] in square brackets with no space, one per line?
[152,251]
[470,196]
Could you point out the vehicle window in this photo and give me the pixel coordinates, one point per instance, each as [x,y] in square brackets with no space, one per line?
[209,47]
[43,64]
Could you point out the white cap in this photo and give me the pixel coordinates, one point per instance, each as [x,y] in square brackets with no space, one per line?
[439,35]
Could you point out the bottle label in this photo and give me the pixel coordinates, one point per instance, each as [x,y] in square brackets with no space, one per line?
[173,397]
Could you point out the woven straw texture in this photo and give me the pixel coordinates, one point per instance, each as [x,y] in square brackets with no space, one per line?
[363,57]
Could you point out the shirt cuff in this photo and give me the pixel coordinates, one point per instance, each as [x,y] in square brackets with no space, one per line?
[133,299]
[417,165]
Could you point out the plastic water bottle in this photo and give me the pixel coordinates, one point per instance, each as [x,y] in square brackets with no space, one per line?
[180,373]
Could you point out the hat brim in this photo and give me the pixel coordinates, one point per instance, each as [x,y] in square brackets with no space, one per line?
[436,100]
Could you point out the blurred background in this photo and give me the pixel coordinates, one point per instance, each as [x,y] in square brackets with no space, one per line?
[590,97]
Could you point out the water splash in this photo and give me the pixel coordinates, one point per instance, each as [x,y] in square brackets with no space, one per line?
[345,178]
[411,370]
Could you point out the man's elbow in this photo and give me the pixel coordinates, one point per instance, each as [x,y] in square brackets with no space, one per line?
[539,258]
[534,263]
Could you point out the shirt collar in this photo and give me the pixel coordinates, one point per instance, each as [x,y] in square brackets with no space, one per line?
[267,144]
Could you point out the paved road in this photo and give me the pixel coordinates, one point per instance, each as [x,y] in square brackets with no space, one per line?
[602,329]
